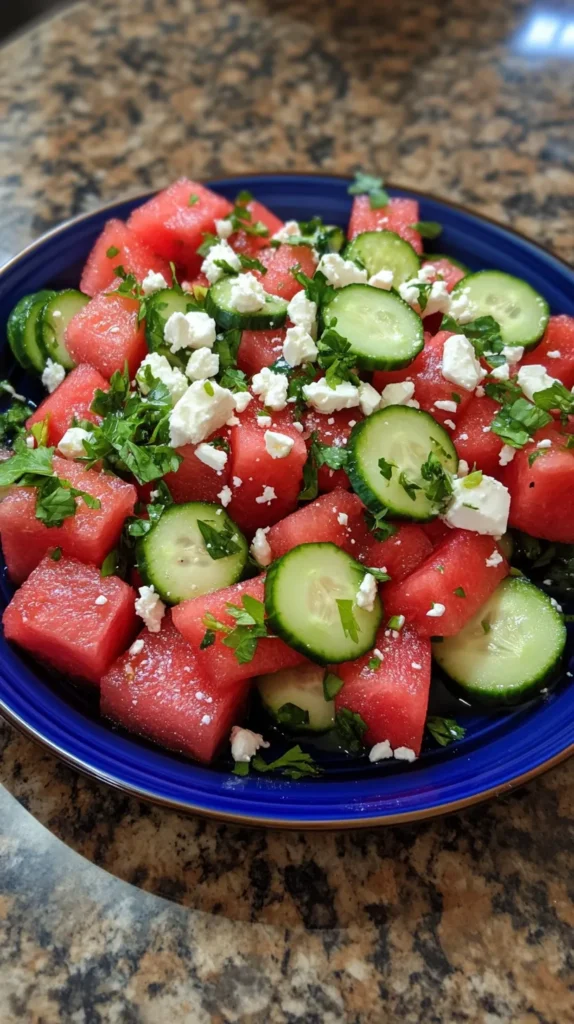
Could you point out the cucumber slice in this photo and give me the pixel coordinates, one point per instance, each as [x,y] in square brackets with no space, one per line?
[218,304]
[509,650]
[282,693]
[159,308]
[301,593]
[21,331]
[174,557]
[521,312]
[52,323]
[403,437]
[383,331]
[385,250]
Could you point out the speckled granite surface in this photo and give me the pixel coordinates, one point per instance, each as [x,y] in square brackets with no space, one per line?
[114,911]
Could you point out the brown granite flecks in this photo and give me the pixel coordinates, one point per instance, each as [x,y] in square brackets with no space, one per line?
[113,911]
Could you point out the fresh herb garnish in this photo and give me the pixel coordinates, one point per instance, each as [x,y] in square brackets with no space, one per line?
[331,685]
[374,663]
[55,498]
[316,288]
[380,575]
[486,338]
[227,346]
[396,622]
[242,220]
[112,251]
[349,623]
[409,486]
[438,482]
[486,627]
[336,358]
[427,228]
[349,730]
[556,397]
[535,455]
[472,480]
[292,715]
[193,199]
[13,419]
[516,422]
[207,640]
[219,543]
[424,290]
[377,524]
[386,468]
[294,763]
[368,184]
[56,554]
[251,263]
[320,455]
[459,592]
[445,730]
[249,627]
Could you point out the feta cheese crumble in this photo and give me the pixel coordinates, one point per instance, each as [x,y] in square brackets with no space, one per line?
[299,346]
[264,421]
[277,445]
[369,399]
[202,363]
[382,279]
[247,294]
[534,378]
[136,648]
[71,444]
[260,548]
[101,600]
[267,497]
[501,372]
[546,443]
[242,400]
[555,354]
[506,455]
[290,228]
[367,593]
[483,509]
[381,751]
[225,496]
[342,518]
[219,251]
[463,468]
[245,743]
[223,228]
[272,387]
[198,413]
[162,370]
[52,375]
[494,559]
[215,458]
[436,611]
[150,608]
[446,406]
[513,354]
[153,282]
[189,330]
[461,308]
[397,394]
[302,312]
[404,754]
[459,363]
[340,272]
[327,400]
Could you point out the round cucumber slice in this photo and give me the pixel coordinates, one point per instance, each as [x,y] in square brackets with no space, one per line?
[387,452]
[22,334]
[382,330]
[295,699]
[184,553]
[521,312]
[53,321]
[159,308]
[509,650]
[219,305]
[385,250]
[310,598]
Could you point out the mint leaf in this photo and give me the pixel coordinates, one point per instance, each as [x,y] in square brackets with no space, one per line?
[427,228]
[332,684]
[409,486]
[438,482]
[459,592]
[251,263]
[555,397]
[294,763]
[348,620]
[292,716]
[444,730]
[516,423]
[336,358]
[193,199]
[386,468]
[112,251]
[377,524]
[219,543]
[349,730]
[368,184]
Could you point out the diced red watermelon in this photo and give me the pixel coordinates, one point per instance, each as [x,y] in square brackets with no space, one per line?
[436,531]
[558,338]
[317,522]
[89,535]
[450,273]
[106,333]
[333,430]
[473,441]
[392,699]
[542,494]
[259,348]
[132,254]
[56,616]
[249,245]
[459,562]
[162,692]
[218,661]
[398,216]
[173,225]
[251,463]
[430,385]
[71,400]
[279,262]
[194,481]
[400,554]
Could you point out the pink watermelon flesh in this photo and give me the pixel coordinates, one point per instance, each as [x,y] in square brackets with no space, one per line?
[398,216]
[400,554]
[54,615]
[393,698]
[218,661]
[317,522]
[135,257]
[173,228]
[558,338]
[335,431]
[89,535]
[542,493]
[250,245]
[260,348]
[479,446]
[71,400]
[194,481]
[459,562]
[280,262]
[162,692]
[106,334]
[251,463]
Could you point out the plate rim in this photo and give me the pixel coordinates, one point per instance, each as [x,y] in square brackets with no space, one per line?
[242,819]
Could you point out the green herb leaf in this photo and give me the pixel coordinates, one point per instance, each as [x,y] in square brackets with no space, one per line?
[348,620]
[486,338]
[438,482]
[409,486]
[294,763]
[249,628]
[444,730]
[56,500]
[380,576]
[349,730]
[251,263]
[368,184]
[30,462]
[336,358]
[109,564]
[555,397]
[516,423]
[486,627]
[193,199]
[219,543]
[459,592]
[330,455]
[56,554]
[207,244]
[112,251]
[472,480]
[292,716]
[316,288]
[396,622]
[374,663]
[427,228]
[331,685]
[379,527]
[208,639]
[240,768]
[535,455]
[227,346]
[386,468]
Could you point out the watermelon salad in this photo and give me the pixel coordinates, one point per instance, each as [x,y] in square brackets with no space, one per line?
[284,475]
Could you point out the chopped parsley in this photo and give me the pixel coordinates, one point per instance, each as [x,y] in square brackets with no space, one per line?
[336,358]
[331,685]
[249,628]
[219,543]
[386,468]
[459,592]
[294,763]
[349,730]
[409,486]
[349,623]
[445,730]
[193,199]
[427,228]
[112,251]
[292,716]
[55,498]
[374,663]
[377,524]
[438,485]
[368,184]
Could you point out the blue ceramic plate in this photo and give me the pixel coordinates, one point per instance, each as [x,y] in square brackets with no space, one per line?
[499,752]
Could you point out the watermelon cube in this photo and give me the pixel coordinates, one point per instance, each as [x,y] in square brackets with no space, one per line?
[58,615]
[474,440]
[333,430]
[392,699]
[159,690]
[450,272]
[558,340]
[259,348]
[194,481]
[399,216]
[280,262]
[459,576]
[89,535]
[218,661]
[106,334]
[269,487]
[542,493]
[400,554]
[330,518]
[173,224]
[71,400]
[127,251]
[250,245]
[430,385]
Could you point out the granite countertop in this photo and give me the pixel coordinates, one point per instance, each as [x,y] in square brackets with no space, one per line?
[111,910]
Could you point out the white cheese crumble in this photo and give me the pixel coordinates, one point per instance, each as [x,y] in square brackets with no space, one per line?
[513,354]
[260,548]
[381,751]
[340,272]
[150,608]
[446,405]
[225,495]
[299,347]
[501,372]
[555,354]
[237,481]
[284,234]
[163,371]
[137,647]
[202,363]
[302,312]
[215,458]
[199,412]
[30,442]
[52,375]
[367,593]
[397,394]
[342,518]
[220,251]
[506,455]
[369,399]
[415,664]
[272,387]
[459,363]
[546,443]
[534,378]
[436,611]
[494,559]
[404,754]
[382,279]
[242,400]
[264,421]
[461,308]
[482,509]
[245,743]
[247,294]
[189,330]
[450,423]
[277,445]
[223,228]
[463,468]
[101,600]
[267,497]
[153,282]
[71,444]
[327,400]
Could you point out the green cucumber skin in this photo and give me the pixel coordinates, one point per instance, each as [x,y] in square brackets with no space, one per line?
[45,334]
[354,248]
[27,306]
[379,362]
[228,319]
[155,322]
[531,342]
